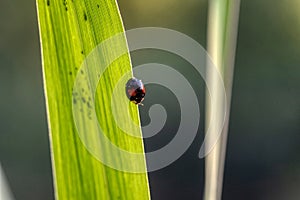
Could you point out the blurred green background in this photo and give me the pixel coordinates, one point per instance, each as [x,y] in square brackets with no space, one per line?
[264,140]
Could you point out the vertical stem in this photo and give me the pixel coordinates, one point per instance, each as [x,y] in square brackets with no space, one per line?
[5,192]
[221,45]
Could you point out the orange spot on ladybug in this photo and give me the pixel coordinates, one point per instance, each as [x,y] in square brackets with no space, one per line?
[131,92]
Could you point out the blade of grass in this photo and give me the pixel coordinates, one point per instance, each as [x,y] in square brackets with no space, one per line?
[69,31]
[222,36]
[5,192]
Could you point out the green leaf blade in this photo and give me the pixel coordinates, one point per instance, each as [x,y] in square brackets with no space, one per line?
[69,31]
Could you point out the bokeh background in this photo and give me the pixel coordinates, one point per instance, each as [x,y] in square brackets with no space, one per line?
[262,160]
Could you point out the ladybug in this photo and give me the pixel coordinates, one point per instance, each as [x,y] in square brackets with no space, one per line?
[135,90]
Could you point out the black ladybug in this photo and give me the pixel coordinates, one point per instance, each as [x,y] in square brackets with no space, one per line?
[135,90]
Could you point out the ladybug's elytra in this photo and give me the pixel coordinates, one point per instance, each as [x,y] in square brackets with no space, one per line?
[135,90]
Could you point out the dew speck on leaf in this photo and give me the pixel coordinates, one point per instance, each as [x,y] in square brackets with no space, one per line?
[89,104]
[70,73]
[48,2]
[83,99]
[66,5]
[85,16]
[90,115]
[98,6]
